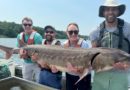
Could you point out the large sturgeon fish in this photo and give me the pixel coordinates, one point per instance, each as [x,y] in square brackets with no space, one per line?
[99,59]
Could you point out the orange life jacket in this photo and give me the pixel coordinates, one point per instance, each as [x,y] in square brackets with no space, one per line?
[79,43]
[53,42]
[30,40]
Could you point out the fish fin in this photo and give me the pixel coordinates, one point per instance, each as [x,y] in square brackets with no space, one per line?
[7,50]
[85,72]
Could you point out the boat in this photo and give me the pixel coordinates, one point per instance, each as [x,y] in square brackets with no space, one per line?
[15,83]
[16,75]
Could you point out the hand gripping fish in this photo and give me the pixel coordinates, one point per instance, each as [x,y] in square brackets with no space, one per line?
[100,59]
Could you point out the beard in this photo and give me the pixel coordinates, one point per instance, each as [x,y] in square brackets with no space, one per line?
[49,38]
[111,19]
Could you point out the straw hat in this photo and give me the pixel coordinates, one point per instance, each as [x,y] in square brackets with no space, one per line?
[112,3]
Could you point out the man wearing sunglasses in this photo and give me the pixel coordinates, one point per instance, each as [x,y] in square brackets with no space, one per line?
[71,78]
[48,76]
[49,36]
[29,36]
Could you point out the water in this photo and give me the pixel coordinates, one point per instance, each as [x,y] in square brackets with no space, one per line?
[12,42]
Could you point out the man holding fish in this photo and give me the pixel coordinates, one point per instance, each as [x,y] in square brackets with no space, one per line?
[29,36]
[113,33]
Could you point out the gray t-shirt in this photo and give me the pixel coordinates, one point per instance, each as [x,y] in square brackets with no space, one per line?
[94,36]
[96,32]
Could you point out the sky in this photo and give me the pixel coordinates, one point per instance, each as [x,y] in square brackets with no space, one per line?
[58,13]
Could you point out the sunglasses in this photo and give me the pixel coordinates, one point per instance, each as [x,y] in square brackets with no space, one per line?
[27,25]
[51,32]
[73,31]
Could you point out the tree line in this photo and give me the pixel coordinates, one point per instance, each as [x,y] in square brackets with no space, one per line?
[12,29]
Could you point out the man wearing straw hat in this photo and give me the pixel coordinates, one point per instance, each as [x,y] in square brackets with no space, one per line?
[113,33]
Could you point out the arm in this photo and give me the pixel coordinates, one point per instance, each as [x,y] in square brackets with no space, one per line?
[127,31]
[22,53]
[18,38]
[94,38]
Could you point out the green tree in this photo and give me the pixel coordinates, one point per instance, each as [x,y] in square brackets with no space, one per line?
[11,30]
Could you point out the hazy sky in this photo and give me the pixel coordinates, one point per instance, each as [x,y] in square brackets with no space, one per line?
[58,13]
